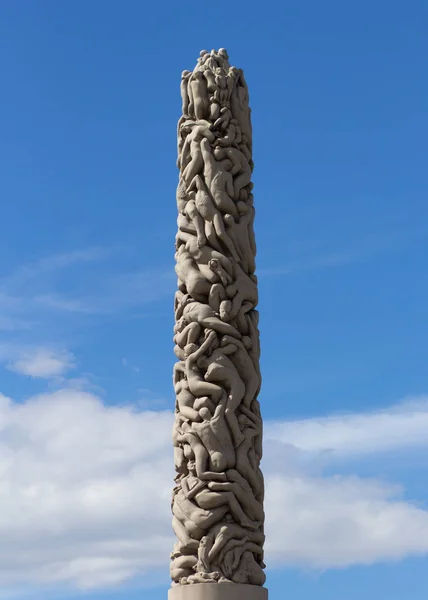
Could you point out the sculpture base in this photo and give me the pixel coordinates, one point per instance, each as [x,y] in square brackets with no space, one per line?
[217,591]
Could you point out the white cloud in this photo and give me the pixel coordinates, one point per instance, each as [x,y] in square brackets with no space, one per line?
[80,488]
[340,521]
[85,495]
[42,363]
[403,426]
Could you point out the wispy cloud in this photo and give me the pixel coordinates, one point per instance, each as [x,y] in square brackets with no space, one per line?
[367,248]
[39,362]
[62,304]
[20,290]
[43,363]
[9,323]
[111,294]
[127,365]
[51,286]
[54,263]
[402,426]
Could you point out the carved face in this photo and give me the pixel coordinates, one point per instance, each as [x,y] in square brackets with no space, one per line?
[180,325]
[191,466]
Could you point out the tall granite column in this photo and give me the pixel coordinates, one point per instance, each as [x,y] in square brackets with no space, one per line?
[217,503]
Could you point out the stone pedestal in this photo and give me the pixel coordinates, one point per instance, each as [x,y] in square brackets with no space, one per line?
[218,591]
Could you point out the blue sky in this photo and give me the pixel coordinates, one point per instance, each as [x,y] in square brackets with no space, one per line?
[90,100]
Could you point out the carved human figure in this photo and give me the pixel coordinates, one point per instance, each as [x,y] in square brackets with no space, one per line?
[221,83]
[197,312]
[210,61]
[210,79]
[249,570]
[221,124]
[222,52]
[220,540]
[243,464]
[243,493]
[207,210]
[185,224]
[180,458]
[182,565]
[188,272]
[207,498]
[216,300]
[181,196]
[245,367]
[252,320]
[192,161]
[241,169]
[241,231]
[242,290]
[220,369]
[213,265]
[223,532]
[184,92]
[219,179]
[184,398]
[215,436]
[197,383]
[239,101]
[186,336]
[232,135]
[203,56]
[199,101]
[190,521]
[208,463]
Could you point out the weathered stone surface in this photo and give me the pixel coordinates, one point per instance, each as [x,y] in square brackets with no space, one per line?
[217,503]
[224,591]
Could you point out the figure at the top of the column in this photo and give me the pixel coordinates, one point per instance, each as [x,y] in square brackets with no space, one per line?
[215,90]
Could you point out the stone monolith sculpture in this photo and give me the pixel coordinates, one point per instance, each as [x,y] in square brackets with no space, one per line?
[217,503]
